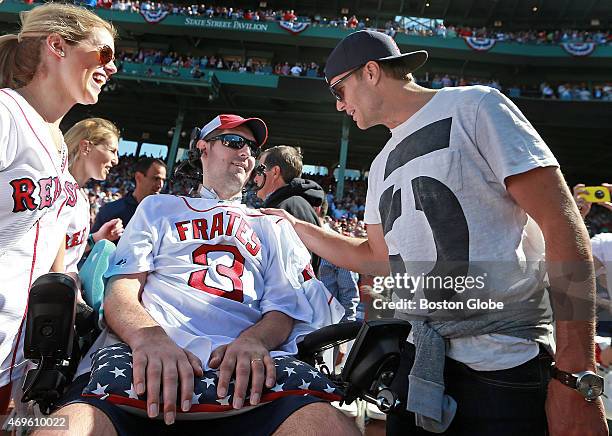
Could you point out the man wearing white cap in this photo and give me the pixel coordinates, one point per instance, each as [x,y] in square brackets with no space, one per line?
[465,189]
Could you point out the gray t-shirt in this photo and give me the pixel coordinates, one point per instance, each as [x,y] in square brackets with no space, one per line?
[438,190]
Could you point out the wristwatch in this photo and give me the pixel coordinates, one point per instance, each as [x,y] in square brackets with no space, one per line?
[587,383]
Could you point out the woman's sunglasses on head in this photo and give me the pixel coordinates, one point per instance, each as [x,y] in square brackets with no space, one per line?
[236,142]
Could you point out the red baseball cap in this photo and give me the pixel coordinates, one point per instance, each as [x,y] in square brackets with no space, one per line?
[230,121]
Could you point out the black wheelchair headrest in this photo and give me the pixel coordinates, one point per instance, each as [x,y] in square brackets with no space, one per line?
[51,315]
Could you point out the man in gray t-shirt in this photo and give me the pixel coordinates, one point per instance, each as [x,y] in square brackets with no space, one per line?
[467,190]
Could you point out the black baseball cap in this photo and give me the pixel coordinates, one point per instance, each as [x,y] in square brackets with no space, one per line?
[368,45]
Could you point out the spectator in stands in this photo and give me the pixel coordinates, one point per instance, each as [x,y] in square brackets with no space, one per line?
[196,72]
[313,70]
[62,55]
[296,70]
[282,187]
[602,250]
[285,69]
[289,15]
[565,91]
[150,176]
[92,151]
[446,81]
[530,213]
[601,245]
[167,318]
[436,83]
[547,91]
[341,282]
[514,91]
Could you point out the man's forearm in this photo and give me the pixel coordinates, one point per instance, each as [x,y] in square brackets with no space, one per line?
[353,254]
[123,312]
[572,281]
[272,330]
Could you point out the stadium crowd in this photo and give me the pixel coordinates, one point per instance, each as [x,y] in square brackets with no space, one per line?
[554,36]
[411,27]
[169,63]
[577,91]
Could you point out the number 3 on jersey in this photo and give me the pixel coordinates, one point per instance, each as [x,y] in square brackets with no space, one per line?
[233,272]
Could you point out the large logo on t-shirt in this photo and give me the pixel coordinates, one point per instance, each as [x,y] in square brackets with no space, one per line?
[436,200]
[27,197]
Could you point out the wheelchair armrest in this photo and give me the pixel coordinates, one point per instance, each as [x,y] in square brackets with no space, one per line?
[374,359]
[372,362]
[327,337]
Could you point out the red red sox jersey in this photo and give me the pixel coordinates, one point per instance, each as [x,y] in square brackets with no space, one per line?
[31,179]
[215,268]
[74,214]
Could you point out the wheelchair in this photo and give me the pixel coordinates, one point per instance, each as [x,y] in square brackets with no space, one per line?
[59,332]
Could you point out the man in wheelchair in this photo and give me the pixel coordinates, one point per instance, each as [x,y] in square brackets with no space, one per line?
[204,306]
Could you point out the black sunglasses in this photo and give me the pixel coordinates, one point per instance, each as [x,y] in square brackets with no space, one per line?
[332,87]
[236,142]
[105,55]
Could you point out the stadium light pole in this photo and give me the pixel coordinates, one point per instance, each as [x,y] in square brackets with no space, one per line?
[344,142]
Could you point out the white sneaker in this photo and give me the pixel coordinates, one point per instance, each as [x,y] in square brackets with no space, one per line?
[349,410]
[373,412]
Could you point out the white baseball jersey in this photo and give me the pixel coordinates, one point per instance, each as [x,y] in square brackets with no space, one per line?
[31,179]
[75,214]
[215,268]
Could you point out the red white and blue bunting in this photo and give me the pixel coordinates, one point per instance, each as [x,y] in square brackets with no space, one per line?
[579,48]
[153,17]
[293,26]
[480,44]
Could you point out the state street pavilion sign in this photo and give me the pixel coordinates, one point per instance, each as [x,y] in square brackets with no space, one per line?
[211,23]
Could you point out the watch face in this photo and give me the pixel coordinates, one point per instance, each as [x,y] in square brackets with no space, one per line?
[590,385]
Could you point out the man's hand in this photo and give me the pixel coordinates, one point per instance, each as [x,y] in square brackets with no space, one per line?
[583,206]
[110,230]
[248,357]
[159,361]
[607,204]
[569,414]
[281,213]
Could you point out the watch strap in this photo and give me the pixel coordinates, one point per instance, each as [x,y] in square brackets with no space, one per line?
[567,378]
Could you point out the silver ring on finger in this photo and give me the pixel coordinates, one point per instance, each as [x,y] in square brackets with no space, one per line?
[256,359]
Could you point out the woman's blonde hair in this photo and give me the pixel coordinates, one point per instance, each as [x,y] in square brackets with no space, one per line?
[95,130]
[20,53]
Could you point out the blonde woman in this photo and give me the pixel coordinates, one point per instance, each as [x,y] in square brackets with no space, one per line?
[93,146]
[61,56]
